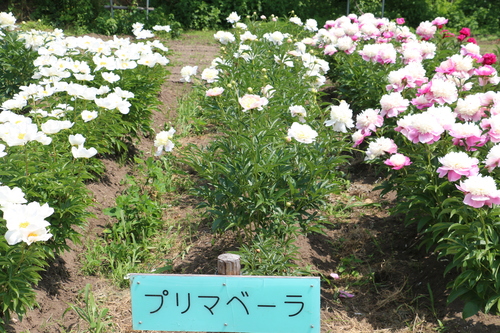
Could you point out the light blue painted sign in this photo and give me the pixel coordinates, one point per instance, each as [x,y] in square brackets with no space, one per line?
[225,303]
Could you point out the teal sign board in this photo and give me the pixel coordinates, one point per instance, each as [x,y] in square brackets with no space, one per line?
[225,303]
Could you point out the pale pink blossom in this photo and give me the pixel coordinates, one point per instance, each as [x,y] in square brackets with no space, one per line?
[440,21]
[249,102]
[330,49]
[386,55]
[426,30]
[487,74]
[379,147]
[410,76]
[421,102]
[472,50]
[469,108]
[393,104]
[468,135]
[492,124]
[368,121]
[444,115]
[456,165]
[423,128]
[358,137]
[299,111]
[398,161]
[480,191]
[215,91]
[412,52]
[346,44]
[439,91]
[493,158]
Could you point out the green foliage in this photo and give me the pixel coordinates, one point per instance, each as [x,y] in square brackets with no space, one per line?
[413,11]
[137,217]
[268,255]
[360,82]
[19,270]
[254,184]
[16,65]
[481,16]
[97,320]
[77,14]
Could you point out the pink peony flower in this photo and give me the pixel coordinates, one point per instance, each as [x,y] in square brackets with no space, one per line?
[469,108]
[379,147]
[421,102]
[386,55]
[488,59]
[423,128]
[456,165]
[249,102]
[465,32]
[440,22]
[400,20]
[493,158]
[468,135]
[426,30]
[393,104]
[442,91]
[492,124]
[358,137]
[398,161]
[368,121]
[444,115]
[480,191]
[471,40]
[472,50]
[216,91]
[485,73]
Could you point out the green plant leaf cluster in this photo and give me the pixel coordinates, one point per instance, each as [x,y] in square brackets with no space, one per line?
[252,179]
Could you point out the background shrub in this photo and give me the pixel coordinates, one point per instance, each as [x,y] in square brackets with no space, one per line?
[482,16]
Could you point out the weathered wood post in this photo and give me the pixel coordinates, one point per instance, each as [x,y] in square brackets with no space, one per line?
[228,264]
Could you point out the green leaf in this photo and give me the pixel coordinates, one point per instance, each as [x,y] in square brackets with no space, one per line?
[471,308]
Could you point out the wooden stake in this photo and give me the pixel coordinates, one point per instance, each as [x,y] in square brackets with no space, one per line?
[228,264]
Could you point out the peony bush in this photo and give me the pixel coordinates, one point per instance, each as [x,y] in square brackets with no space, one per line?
[74,99]
[429,120]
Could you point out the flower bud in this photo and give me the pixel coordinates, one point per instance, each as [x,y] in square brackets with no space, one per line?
[250,90]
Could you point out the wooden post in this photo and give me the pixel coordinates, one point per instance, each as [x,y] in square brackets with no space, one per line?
[228,264]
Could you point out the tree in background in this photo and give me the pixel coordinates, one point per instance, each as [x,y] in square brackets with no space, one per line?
[481,16]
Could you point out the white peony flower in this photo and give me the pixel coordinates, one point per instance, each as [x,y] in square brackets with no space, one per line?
[302,133]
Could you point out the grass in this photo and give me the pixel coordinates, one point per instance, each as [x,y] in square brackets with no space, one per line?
[489,44]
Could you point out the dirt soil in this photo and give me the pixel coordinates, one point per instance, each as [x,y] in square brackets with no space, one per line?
[397,287]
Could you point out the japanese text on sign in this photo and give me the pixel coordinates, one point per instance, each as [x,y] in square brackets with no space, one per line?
[213,303]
